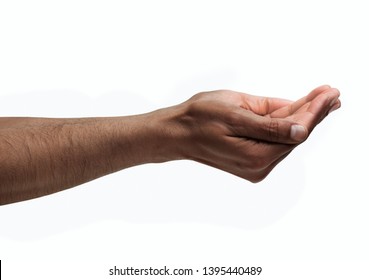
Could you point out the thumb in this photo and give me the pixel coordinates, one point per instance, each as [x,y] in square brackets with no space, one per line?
[298,133]
[282,131]
[275,130]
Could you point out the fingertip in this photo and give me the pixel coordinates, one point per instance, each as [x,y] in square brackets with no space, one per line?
[332,91]
[332,96]
[335,106]
[317,91]
[298,133]
[321,89]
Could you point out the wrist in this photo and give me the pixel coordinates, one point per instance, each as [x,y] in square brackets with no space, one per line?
[165,134]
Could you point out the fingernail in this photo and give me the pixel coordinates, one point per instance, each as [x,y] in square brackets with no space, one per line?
[298,132]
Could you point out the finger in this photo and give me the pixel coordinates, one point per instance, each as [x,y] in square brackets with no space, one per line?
[248,124]
[264,105]
[272,104]
[311,96]
[335,106]
[315,111]
[332,100]
[317,108]
[292,108]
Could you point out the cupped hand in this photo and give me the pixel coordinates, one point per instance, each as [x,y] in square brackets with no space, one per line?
[247,135]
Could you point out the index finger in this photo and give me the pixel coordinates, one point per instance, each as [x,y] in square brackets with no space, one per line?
[292,108]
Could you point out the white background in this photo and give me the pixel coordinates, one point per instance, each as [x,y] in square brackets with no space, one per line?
[307,220]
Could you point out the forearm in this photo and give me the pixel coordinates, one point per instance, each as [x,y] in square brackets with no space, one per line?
[42,156]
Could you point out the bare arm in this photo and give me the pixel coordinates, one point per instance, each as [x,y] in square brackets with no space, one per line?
[241,134]
[39,156]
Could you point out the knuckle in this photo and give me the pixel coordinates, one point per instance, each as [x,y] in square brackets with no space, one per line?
[273,130]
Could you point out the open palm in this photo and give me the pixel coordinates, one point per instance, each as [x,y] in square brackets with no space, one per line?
[248,135]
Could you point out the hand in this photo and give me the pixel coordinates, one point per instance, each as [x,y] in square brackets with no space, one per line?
[248,135]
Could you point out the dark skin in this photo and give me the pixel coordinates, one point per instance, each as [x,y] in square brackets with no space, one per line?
[239,133]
